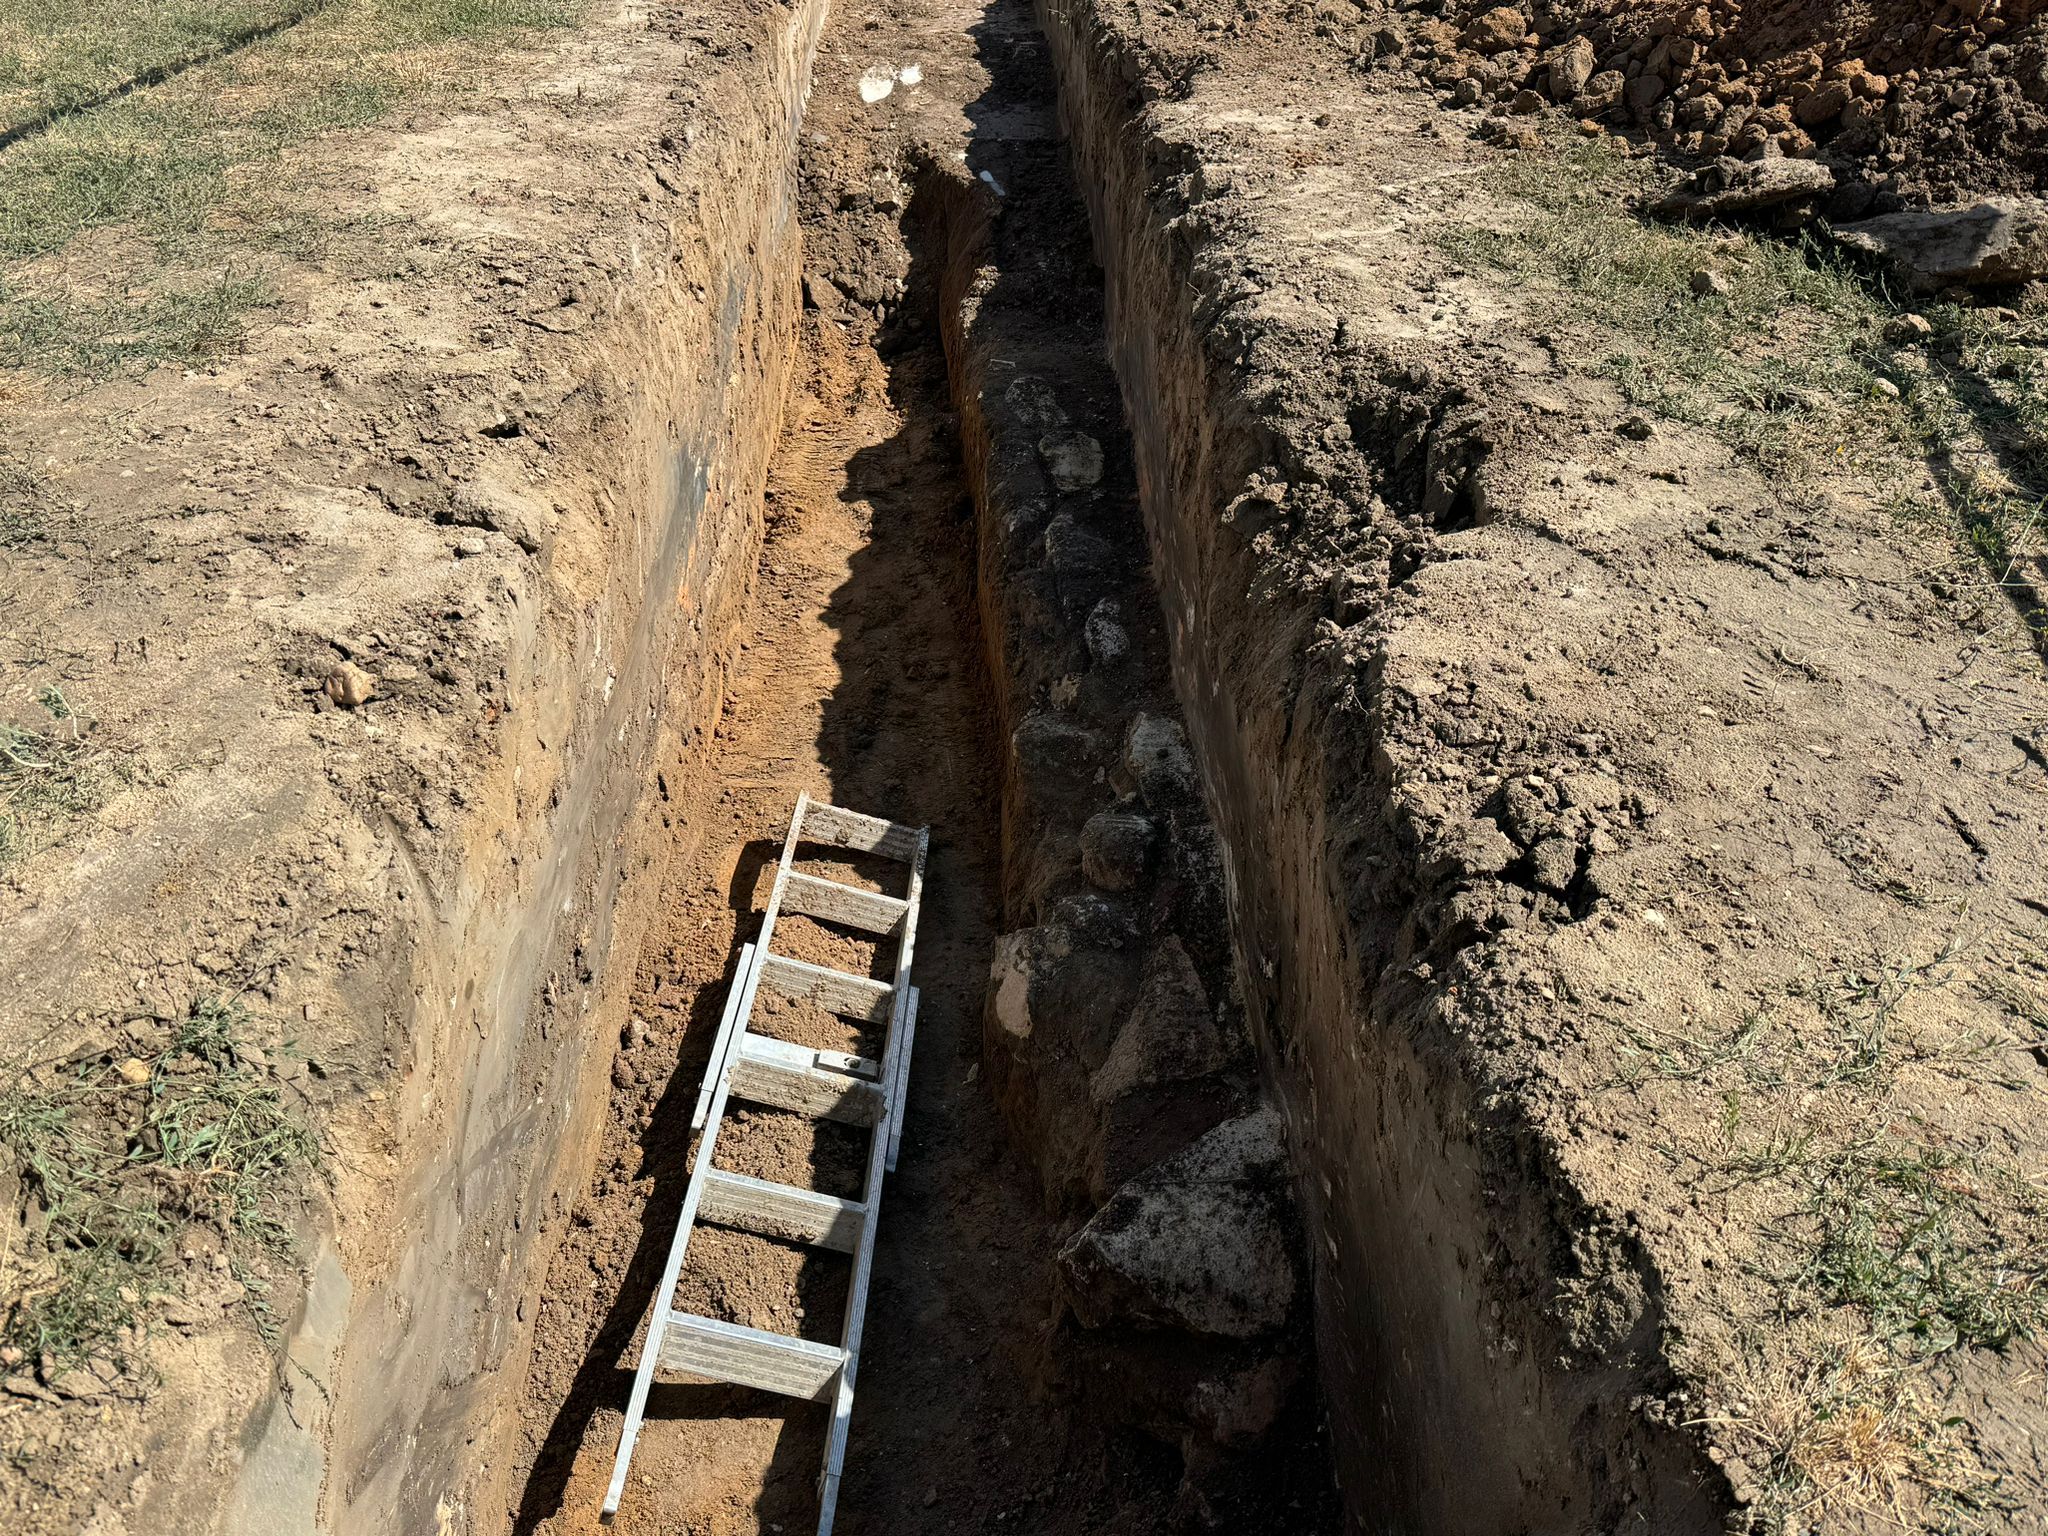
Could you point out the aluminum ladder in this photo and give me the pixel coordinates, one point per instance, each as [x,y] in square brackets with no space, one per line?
[761,1069]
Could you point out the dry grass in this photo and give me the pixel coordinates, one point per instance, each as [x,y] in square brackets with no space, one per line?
[1791,367]
[1836,1428]
[1875,1243]
[172,183]
[51,773]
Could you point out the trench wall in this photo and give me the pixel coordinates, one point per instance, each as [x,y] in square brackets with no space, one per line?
[520,965]
[1433,1221]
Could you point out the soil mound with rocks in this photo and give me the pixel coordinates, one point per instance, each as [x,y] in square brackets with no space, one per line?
[1911,101]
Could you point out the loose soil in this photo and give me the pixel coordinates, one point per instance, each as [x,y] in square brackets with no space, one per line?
[1908,100]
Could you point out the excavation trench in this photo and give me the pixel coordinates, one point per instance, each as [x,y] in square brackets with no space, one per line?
[953,619]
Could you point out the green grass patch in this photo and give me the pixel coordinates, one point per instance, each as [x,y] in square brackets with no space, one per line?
[1881,1242]
[172,182]
[115,1155]
[57,56]
[51,773]
[1790,365]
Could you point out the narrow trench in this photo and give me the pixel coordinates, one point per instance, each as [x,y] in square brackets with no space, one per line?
[863,677]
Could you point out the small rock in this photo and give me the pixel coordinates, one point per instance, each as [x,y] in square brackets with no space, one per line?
[1725,187]
[1904,330]
[1466,92]
[1602,92]
[1708,283]
[823,295]
[1643,93]
[1638,429]
[1157,759]
[1884,388]
[349,685]
[1108,642]
[469,549]
[1525,103]
[1073,459]
[133,1071]
[1510,133]
[1823,104]
[1571,67]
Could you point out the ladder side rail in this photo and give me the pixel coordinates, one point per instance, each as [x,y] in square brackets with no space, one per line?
[856,1306]
[721,1044]
[878,1167]
[672,1269]
[899,1095]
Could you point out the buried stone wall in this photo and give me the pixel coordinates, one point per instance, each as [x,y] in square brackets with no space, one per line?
[1114,1038]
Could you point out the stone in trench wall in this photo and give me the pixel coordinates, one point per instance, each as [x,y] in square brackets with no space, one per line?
[1114,1041]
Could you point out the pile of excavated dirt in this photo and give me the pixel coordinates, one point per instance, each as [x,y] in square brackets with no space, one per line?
[1906,98]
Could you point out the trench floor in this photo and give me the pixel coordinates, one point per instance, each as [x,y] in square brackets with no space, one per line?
[861,678]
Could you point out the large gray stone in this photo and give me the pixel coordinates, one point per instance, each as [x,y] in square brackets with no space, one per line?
[1202,1242]
[1992,244]
[1171,1035]
[1116,848]
[1725,188]
[1157,759]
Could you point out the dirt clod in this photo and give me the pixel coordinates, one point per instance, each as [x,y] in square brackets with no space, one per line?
[349,685]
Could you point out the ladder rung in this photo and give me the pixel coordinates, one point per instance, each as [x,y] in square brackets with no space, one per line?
[774,1072]
[781,1210]
[852,997]
[867,834]
[749,1357]
[838,903]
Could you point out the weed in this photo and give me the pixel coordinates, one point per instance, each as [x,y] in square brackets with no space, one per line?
[1880,1244]
[1847,1431]
[116,1156]
[48,777]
